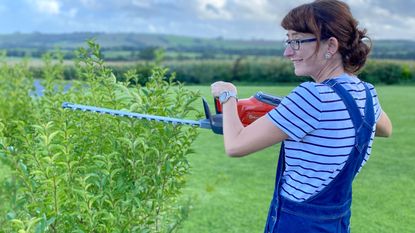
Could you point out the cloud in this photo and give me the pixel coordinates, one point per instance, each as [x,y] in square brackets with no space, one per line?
[213,10]
[51,7]
[72,13]
[3,8]
[397,7]
[385,18]
[89,3]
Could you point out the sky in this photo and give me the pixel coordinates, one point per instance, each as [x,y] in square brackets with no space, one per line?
[229,19]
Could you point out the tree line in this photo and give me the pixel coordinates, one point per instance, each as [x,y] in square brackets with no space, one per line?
[246,70]
[135,46]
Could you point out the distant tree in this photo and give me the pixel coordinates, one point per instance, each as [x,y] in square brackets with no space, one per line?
[16,53]
[151,53]
[236,69]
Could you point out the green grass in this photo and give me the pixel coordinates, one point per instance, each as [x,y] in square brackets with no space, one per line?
[232,195]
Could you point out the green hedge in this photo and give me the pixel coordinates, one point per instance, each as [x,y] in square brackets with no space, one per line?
[259,71]
[388,72]
[70,171]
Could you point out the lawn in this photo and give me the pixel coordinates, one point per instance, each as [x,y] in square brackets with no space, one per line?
[232,194]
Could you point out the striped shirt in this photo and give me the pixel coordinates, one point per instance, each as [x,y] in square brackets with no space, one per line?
[321,134]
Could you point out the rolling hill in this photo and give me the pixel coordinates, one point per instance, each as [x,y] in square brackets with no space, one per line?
[126,44]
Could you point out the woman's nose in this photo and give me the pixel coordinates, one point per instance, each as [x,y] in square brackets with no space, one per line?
[288,51]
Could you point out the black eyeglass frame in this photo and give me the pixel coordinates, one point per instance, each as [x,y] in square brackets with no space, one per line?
[295,44]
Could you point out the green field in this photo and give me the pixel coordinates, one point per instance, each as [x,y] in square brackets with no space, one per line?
[232,195]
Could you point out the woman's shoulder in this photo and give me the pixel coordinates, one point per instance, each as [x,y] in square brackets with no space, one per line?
[305,88]
[308,86]
[317,89]
[307,92]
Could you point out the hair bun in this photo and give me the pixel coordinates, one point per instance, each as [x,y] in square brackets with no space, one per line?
[356,54]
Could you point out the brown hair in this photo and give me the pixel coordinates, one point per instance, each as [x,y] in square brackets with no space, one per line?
[331,18]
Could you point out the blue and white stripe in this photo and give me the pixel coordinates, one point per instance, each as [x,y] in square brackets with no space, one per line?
[321,134]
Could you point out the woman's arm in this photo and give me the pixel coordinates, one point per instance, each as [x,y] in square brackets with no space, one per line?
[240,140]
[383,126]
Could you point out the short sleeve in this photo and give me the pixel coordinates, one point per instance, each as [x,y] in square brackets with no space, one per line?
[299,112]
[376,103]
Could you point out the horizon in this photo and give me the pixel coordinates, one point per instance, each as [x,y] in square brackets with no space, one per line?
[165,34]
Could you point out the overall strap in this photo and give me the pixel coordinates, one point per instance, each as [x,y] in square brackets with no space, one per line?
[274,209]
[362,125]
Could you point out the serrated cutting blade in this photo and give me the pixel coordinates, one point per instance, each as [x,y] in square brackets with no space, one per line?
[200,123]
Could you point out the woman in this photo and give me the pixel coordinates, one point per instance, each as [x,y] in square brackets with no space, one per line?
[326,126]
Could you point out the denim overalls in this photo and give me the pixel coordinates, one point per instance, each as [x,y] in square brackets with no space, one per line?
[329,209]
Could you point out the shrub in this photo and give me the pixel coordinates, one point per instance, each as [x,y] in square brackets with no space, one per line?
[86,172]
[384,72]
[203,71]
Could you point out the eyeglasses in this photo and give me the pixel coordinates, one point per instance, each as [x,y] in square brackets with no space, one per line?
[296,43]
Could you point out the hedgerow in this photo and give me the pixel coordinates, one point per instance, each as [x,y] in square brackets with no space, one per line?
[251,70]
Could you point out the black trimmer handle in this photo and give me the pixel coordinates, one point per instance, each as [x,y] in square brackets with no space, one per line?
[216,122]
[268,99]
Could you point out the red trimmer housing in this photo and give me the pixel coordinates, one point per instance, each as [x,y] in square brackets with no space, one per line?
[254,107]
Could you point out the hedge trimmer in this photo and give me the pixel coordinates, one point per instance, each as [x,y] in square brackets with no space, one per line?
[249,110]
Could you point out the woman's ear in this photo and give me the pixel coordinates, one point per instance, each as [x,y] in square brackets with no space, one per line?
[332,45]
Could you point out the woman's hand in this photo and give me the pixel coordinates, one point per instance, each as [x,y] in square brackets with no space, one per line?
[218,87]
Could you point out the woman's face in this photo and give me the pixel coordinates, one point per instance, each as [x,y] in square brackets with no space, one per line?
[301,50]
